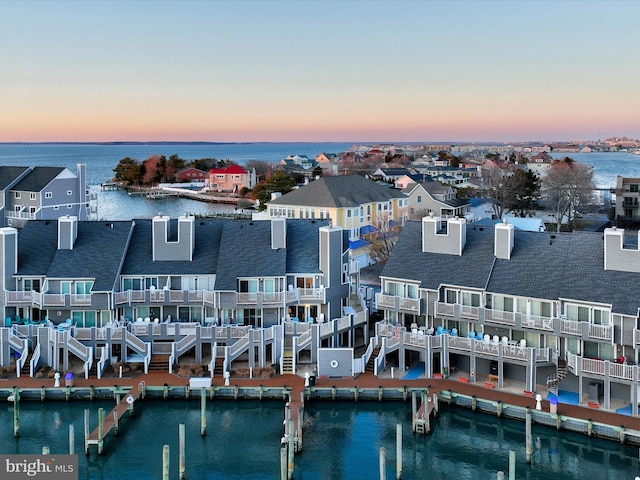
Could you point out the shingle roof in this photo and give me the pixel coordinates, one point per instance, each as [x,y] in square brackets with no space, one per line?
[542,265]
[139,259]
[37,179]
[339,191]
[9,174]
[38,252]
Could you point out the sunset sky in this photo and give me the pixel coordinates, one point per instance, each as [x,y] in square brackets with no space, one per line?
[319,71]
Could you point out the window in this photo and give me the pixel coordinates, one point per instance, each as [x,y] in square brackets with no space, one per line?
[150,282]
[83,287]
[69,192]
[17,194]
[32,209]
[84,319]
[48,195]
[31,284]
[56,207]
[419,198]
[248,286]
[69,207]
[394,289]
[412,291]
[451,296]
[470,299]
[32,196]
[131,284]
[633,188]
[304,282]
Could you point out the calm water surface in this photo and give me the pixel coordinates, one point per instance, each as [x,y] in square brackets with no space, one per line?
[341,441]
[102,159]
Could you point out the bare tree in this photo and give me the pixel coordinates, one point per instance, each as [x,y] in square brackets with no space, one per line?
[382,240]
[501,185]
[566,186]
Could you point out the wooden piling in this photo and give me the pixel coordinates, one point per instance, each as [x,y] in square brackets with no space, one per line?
[181,446]
[115,422]
[356,390]
[398,451]
[426,414]
[16,412]
[86,431]
[474,403]
[165,462]
[299,428]
[436,410]
[500,475]
[380,393]
[512,465]
[72,437]
[622,434]
[283,463]
[165,391]
[92,392]
[383,461]
[414,410]
[46,450]
[203,411]
[43,393]
[100,430]
[528,447]
[291,448]
[499,409]
[590,427]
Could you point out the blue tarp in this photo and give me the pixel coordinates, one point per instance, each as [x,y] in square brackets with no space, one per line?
[354,244]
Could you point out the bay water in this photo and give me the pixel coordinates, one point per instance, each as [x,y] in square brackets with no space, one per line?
[342,440]
[101,159]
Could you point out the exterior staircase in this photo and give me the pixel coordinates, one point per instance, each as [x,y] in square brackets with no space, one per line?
[159,363]
[554,379]
[26,368]
[218,369]
[287,362]
[370,366]
[93,371]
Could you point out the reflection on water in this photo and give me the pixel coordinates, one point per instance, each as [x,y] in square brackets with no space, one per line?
[341,441]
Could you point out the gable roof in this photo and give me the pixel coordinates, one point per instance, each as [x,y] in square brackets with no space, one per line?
[542,265]
[37,179]
[231,169]
[338,192]
[38,252]
[9,174]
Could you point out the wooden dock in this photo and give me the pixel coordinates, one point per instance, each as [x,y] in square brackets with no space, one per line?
[110,421]
[422,415]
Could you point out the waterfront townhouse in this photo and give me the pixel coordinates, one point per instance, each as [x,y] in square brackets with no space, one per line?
[557,310]
[44,193]
[132,289]
[351,202]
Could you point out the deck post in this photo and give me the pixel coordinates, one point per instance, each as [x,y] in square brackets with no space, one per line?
[299,426]
[425,407]
[528,447]
[436,410]
[165,462]
[398,451]
[589,428]
[203,411]
[181,441]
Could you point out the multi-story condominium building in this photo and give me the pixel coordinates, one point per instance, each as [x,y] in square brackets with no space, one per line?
[219,280]
[558,310]
[540,163]
[627,194]
[351,202]
[43,193]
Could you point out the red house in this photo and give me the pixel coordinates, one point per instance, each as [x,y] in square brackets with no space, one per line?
[191,174]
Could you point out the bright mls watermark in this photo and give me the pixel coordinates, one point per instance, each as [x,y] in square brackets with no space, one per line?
[39,467]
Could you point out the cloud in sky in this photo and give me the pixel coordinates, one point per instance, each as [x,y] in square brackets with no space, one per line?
[319,71]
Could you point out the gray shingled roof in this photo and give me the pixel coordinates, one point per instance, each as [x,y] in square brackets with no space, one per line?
[340,191]
[542,265]
[8,174]
[37,179]
[139,260]
[97,252]
[472,269]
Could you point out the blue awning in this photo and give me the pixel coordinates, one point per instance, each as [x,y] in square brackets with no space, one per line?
[355,244]
[367,229]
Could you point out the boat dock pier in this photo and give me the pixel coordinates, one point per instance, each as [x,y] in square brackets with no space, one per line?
[125,399]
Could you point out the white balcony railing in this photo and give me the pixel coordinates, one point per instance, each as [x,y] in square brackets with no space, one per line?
[499,316]
[536,322]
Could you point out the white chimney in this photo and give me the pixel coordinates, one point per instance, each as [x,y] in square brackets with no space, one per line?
[278,232]
[503,240]
[181,248]
[67,232]
[447,236]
